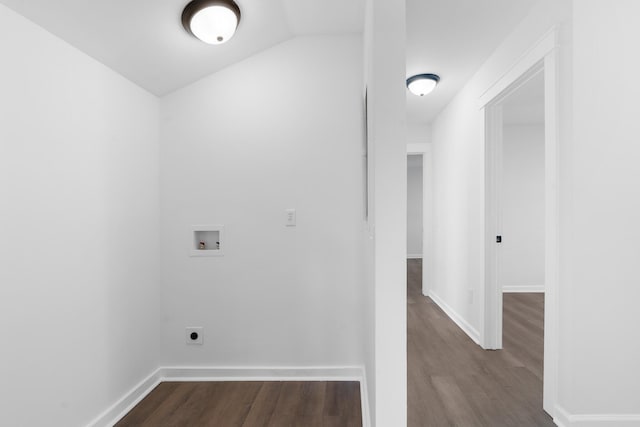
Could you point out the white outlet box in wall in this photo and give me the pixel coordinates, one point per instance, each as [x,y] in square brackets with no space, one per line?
[206,240]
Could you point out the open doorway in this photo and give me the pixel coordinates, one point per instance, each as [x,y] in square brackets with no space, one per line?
[419,209]
[521,212]
[415,226]
[537,69]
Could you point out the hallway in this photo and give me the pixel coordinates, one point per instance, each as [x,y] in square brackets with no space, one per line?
[452,381]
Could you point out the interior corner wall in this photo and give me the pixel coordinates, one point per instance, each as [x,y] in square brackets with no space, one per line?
[280,130]
[522,211]
[459,172]
[599,369]
[79,303]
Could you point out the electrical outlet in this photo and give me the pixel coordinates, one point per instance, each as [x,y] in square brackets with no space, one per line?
[194,335]
[470,296]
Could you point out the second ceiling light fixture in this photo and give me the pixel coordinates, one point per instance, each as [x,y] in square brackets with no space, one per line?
[422,84]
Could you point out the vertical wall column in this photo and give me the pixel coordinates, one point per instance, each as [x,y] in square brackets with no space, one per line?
[385,39]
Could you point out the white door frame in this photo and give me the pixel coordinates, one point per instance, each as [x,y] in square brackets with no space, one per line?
[423,149]
[542,57]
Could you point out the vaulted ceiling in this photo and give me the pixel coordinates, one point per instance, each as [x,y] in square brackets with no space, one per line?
[144,41]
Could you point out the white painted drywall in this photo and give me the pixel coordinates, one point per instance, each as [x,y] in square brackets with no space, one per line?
[599,336]
[79,304]
[427,219]
[368,242]
[280,130]
[418,133]
[598,379]
[459,172]
[385,41]
[414,206]
[522,200]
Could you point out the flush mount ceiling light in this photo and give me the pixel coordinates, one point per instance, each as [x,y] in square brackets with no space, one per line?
[422,84]
[212,21]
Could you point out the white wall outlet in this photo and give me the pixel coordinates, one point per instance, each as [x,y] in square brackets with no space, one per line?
[290,218]
[470,296]
[195,335]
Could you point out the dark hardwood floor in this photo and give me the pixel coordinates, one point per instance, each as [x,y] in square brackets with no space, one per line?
[453,382]
[249,404]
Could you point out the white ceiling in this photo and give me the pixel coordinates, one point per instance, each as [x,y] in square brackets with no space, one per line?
[452,38]
[525,106]
[144,40]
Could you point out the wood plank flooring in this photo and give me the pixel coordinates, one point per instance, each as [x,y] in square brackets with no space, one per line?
[453,382]
[249,404]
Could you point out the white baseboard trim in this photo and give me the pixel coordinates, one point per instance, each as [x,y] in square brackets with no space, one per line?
[119,409]
[523,289]
[201,373]
[313,373]
[414,256]
[565,419]
[457,319]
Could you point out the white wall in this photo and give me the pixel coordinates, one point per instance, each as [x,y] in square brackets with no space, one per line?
[79,306]
[600,345]
[598,379]
[386,344]
[458,159]
[368,242]
[282,129]
[522,248]
[414,208]
[427,220]
[418,133]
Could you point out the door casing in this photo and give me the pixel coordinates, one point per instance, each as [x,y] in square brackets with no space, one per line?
[541,58]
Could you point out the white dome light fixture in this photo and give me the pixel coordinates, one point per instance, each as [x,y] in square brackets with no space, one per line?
[422,84]
[212,21]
